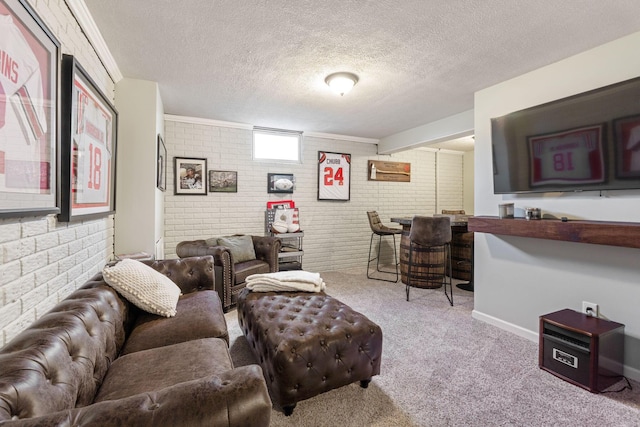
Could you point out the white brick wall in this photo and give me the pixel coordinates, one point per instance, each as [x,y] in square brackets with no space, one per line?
[450,181]
[336,233]
[41,260]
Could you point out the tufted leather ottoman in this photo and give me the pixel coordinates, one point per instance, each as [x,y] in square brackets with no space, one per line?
[308,343]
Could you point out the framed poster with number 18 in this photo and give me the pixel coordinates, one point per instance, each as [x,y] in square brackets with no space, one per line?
[334,176]
[88,148]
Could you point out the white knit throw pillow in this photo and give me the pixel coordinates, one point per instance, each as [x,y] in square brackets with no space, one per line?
[143,286]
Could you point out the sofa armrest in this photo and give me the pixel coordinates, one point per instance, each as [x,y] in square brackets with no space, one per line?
[267,249]
[190,274]
[222,260]
[237,397]
[191,248]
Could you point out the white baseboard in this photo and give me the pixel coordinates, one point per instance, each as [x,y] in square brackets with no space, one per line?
[629,372]
[515,329]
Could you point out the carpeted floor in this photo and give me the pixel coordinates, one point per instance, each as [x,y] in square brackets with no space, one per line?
[441,367]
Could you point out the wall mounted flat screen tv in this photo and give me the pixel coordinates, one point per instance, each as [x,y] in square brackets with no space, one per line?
[585,142]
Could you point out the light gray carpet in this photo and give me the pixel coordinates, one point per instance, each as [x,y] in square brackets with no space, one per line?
[441,367]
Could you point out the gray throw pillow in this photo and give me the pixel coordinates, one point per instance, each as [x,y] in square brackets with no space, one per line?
[241,247]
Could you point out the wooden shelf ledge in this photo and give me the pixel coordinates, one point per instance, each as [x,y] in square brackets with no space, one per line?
[625,234]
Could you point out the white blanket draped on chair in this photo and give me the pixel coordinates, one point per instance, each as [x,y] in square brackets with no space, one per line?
[286,281]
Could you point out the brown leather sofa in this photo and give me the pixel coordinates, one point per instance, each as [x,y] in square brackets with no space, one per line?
[231,275]
[97,360]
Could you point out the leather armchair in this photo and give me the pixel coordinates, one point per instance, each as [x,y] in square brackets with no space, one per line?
[230,275]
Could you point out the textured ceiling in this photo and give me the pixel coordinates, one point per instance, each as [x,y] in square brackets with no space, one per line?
[263,62]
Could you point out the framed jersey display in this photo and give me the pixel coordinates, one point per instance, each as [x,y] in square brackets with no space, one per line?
[29,112]
[334,176]
[88,148]
[627,140]
[572,156]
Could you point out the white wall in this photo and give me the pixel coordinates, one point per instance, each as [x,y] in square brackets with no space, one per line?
[336,233]
[139,203]
[519,279]
[42,260]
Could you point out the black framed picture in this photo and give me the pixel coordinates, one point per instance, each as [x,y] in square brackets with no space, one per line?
[223,181]
[627,145]
[334,176]
[161,166]
[89,127]
[190,176]
[280,183]
[30,104]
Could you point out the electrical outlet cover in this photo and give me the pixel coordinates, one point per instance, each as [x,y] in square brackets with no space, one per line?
[590,305]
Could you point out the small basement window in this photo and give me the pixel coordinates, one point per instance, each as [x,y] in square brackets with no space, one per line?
[276,144]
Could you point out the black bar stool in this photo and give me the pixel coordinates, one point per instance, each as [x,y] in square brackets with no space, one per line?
[380,230]
[429,233]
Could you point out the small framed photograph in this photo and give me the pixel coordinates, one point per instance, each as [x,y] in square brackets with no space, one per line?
[280,183]
[190,176]
[223,181]
[626,132]
[88,148]
[29,113]
[161,167]
[334,176]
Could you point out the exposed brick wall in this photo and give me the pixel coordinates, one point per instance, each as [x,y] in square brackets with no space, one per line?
[336,233]
[450,181]
[42,260]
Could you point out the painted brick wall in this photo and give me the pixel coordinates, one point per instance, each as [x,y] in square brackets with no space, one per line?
[42,260]
[450,180]
[336,233]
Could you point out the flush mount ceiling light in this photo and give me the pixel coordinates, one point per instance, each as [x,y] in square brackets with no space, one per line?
[342,82]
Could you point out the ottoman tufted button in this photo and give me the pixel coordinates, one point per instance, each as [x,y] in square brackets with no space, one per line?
[324,378]
[337,356]
[309,365]
[348,336]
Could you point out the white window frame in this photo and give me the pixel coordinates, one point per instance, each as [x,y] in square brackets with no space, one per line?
[272,142]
